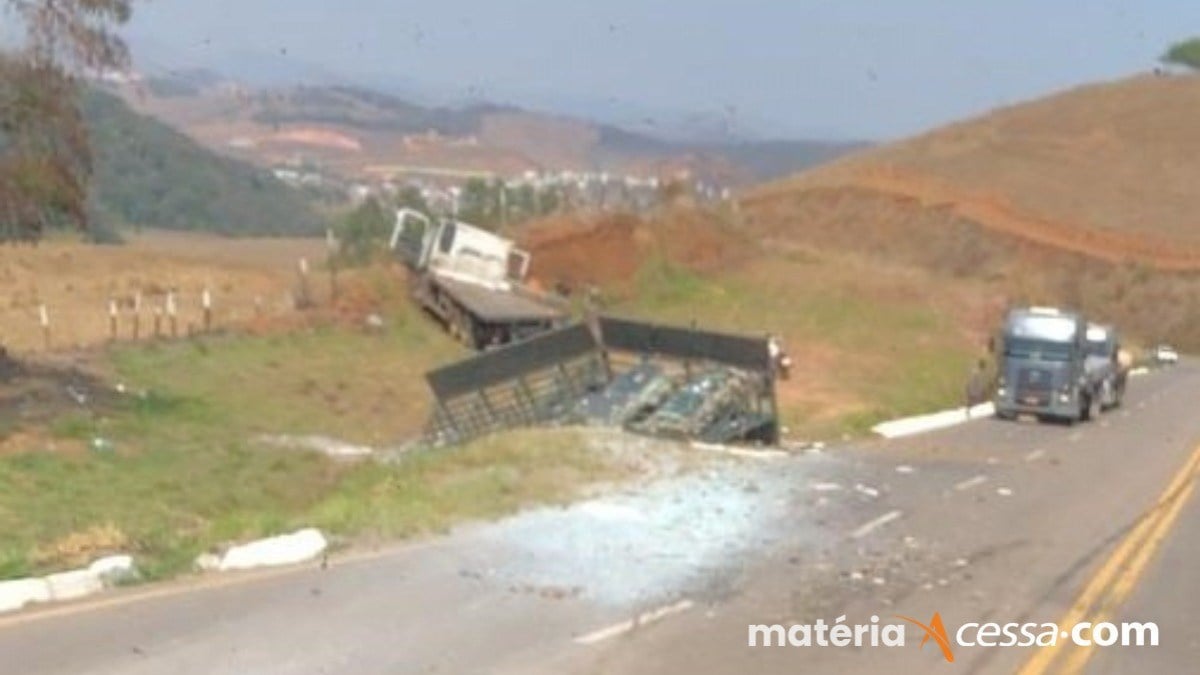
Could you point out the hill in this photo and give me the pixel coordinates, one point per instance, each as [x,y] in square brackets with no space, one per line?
[149,175]
[1083,198]
[351,129]
[1106,170]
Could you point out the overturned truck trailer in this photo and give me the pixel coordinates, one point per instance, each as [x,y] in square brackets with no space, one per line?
[645,377]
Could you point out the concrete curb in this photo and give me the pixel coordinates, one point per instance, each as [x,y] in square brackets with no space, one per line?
[70,585]
[939,420]
[288,549]
[19,593]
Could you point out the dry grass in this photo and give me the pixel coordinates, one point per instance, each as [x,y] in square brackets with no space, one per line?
[76,283]
[1111,159]
[1083,199]
[76,549]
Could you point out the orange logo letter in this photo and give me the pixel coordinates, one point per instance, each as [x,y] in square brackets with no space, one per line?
[936,630]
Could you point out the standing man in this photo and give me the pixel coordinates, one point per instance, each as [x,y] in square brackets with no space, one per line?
[977,386]
[780,361]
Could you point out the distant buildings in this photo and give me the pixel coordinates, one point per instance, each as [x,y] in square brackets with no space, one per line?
[527,194]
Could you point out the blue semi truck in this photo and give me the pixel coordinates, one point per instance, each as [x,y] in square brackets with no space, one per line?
[1043,367]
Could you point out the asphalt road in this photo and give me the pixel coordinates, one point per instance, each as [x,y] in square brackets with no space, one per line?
[988,521]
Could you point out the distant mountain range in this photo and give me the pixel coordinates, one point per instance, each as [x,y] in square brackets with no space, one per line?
[355,131]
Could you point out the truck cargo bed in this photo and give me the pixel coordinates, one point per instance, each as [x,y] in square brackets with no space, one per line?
[499,306]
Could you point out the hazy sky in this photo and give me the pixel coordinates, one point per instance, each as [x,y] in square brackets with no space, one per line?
[836,68]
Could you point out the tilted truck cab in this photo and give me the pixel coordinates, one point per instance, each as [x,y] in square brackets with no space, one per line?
[1042,366]
[471,280]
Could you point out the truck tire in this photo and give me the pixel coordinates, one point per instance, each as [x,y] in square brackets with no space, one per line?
[470,331]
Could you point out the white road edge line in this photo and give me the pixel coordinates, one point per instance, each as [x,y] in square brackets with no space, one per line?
[970,483]
[1035,455]
[871,526]
[643,619]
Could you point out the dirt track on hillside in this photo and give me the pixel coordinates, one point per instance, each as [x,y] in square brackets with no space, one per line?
[993,211]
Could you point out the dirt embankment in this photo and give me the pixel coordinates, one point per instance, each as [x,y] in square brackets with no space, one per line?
[1150,303]
[610,249]
[994,211]
[1086,198]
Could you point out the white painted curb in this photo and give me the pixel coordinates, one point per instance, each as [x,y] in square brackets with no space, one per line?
[18,593]
[69,585]
[939,420]
[287,549]
[74,584]
[114,569]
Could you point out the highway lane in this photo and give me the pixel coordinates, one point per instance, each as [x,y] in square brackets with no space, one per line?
[990,520]
[1001,522]
[1169,595]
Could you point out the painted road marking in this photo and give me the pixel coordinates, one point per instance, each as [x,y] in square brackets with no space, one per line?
[1074,438]
[1035,455]
[643,619]
[1115,579]
[872,525]
[866,490]
[826,487]
[970,483]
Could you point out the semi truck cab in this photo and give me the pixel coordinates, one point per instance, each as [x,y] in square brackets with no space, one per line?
[1042,367]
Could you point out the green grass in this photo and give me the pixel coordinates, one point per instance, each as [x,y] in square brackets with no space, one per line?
[430,490]
[166,505]
[181,468]
[887,356]
[359,386]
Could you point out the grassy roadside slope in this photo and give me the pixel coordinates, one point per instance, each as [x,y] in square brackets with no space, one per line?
[868,342]
[178,464]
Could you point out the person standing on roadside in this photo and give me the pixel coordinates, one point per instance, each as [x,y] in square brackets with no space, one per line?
[977,386]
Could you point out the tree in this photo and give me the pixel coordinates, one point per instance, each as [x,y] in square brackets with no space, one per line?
[363,232]
[477,205]
[1185,53]
[410,197]
[45,158]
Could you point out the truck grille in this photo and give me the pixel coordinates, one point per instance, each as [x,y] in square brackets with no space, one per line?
[1034,386]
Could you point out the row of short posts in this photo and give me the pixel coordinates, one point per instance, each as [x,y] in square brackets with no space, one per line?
[165,317]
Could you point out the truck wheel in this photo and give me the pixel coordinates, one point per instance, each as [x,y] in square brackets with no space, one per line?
[470,330]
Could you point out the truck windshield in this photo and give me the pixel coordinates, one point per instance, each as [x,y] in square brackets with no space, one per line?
[1037,350]
[1098,348]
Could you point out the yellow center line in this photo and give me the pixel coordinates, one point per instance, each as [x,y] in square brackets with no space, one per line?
[1125,564]
[1125,584]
